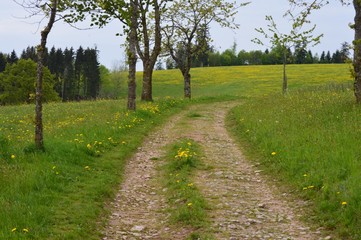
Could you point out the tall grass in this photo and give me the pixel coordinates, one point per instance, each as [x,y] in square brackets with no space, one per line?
[60,193]
[311,141]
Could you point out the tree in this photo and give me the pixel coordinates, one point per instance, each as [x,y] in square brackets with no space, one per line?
[300,54]
[184,21]
[17,83]
[356,42]
[110,82]
[323,57]
[296,37]
[328,58]
[51,9]
[3,62]
[243,57]
[159,65]
[149,31]
[169,63]
[29,53]
[345,52]
[336,57]
[12,57]
[68,76]
[91,74]
[101,13]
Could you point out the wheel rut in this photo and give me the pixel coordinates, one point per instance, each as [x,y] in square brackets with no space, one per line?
[243,203]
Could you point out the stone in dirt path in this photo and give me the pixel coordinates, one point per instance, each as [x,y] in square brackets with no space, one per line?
[243,204]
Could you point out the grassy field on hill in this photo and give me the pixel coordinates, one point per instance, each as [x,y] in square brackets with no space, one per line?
[248,81]
[60,194]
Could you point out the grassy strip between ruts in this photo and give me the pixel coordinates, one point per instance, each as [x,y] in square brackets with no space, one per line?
[187,205]
[311,141]
[60,193]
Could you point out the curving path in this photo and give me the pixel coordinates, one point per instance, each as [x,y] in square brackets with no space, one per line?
[244,205]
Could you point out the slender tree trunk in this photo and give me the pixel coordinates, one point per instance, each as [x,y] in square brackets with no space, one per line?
[187,85]
[186,72]
[132,57]
[149,57]
[147,91]
[39,134]
[357,51]
[284,84]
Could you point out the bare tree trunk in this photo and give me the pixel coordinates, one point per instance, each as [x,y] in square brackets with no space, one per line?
[357,51]
[284,84]
[39,136]
[147,91]
[149,58]
[187,85]
[132,57]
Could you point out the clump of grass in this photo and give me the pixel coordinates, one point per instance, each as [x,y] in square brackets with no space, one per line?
[187,205]
[311,140]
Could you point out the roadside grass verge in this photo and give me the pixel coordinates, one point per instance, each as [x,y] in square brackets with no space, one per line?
[60,193]
[311,141]
[186,204]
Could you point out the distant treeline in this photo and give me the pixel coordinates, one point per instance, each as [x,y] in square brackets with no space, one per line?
[230,57]
[76,73]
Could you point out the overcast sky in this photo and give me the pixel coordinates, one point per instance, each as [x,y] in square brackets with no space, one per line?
[17,33]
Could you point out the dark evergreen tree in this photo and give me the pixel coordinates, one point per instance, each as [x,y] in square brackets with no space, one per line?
[78,68]
[29,53]
[2,62]
[51,63]
[336,57]
[69,86]
[59,70]
[323,57]
[300,54]
[12,57]
[91,74]
[328,58]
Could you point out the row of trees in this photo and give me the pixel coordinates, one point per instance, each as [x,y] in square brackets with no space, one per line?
[230,57]
[76,73]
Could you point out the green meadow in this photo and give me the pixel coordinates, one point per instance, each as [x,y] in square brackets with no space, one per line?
[309,140]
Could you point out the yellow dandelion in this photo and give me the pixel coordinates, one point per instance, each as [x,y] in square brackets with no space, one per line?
[87,168]
[190,184]
[344,203]
[305,175]
[273,153]
[25,230]
[13,230]
[190,204]
[13,156]
[89,146]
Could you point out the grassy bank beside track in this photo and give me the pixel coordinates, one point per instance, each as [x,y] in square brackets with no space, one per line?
[310,141]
